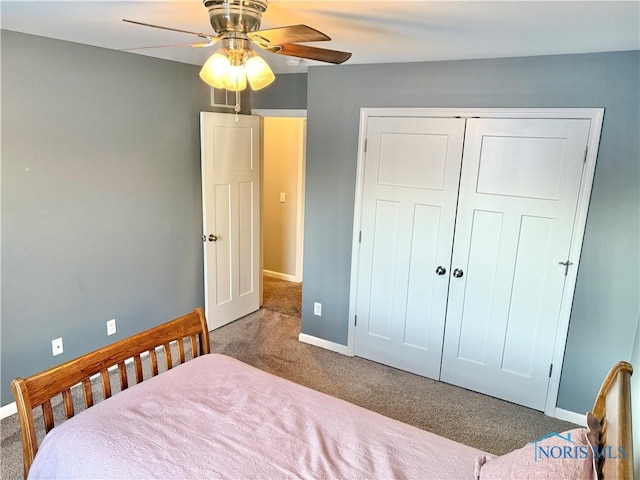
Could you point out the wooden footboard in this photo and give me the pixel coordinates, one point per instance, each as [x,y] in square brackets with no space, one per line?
[613,409]
[38,390]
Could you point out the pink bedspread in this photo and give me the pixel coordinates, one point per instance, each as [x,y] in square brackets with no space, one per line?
[215,417]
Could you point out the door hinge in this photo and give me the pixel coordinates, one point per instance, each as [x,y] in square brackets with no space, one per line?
[356,321]
[365,145]
[586,150]
[566,266]
[360,237]
[550,370]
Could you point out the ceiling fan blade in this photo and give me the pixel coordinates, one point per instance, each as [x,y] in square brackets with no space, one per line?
[290,34]
[194,45]
[312,53]
[201,35]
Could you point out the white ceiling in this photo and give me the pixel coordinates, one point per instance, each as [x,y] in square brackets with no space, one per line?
[375,31]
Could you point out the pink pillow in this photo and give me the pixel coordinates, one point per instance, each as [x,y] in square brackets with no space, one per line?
[566,455]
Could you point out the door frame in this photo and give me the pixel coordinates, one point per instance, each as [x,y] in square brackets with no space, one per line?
[595,115]
[302,162]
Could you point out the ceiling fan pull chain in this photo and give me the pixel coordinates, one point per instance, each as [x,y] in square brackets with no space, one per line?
[237,109]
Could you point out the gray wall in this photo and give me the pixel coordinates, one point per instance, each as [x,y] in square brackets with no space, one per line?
[101,212]
[288,91]
[605,312]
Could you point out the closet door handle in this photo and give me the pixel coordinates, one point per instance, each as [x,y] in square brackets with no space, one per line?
[458,273]
[441,270]
[213,238]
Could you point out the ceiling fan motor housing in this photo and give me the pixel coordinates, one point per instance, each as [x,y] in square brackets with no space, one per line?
[240,16]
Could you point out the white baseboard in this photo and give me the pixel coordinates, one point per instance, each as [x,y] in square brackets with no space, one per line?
[569,416]
[281,276]
[8,410]
[319,342]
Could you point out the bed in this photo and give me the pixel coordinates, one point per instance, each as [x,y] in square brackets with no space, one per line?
[211,416]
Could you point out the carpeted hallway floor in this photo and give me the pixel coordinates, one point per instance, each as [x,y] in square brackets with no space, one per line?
[282,296]
[268,340]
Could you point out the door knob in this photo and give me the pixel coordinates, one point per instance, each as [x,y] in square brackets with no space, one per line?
[213,238]
[441,270]
[458,273]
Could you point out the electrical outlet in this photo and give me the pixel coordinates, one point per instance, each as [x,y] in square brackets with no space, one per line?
[317,309]
[111,326]
[56,346]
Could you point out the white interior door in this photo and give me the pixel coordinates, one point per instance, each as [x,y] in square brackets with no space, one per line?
[411,175]
[518,198]
[231,215]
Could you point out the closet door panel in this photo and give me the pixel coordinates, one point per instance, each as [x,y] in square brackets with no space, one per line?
[504,310]
[480,286]
[420,288]
[411,176]
[383,267]
[527,293]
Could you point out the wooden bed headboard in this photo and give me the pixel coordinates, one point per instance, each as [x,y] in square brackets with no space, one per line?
[38,390]
[612,408]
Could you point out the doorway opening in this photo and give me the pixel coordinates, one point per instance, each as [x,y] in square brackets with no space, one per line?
[283,144]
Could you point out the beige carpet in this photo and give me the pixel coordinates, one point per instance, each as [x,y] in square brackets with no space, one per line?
[269,340]
[282,296]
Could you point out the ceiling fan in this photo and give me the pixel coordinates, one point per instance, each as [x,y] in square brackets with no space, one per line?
[237,27]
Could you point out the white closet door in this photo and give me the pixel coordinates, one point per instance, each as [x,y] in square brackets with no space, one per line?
[412,169]
[231,215]
[518,198]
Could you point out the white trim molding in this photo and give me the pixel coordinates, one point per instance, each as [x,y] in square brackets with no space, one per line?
[281,276]
[327,345]
[8,410]
[594,115]
[569,416]
[272,112]
[302,173]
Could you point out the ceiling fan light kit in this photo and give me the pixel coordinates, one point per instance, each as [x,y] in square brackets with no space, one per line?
[237,26]
[235,64]
[258,72]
